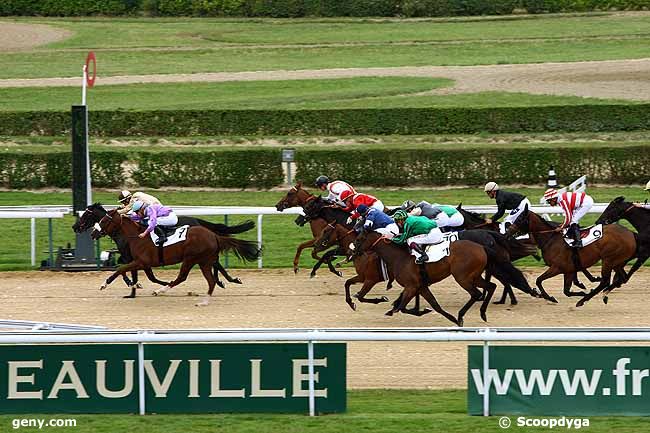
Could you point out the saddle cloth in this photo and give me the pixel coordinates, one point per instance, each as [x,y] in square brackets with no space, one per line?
[502,230]
[589,235]
[440,250]
[179,235]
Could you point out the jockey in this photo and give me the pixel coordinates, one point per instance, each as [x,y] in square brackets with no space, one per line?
[575,205]
[445,216]
[334,189]
[127,199]
[352,202]
[155,215]
[505,201]
[417,231]
[378,221]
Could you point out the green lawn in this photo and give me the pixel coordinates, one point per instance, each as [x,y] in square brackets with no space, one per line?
[211,45]
[280,234]
[368,92]
[376,411]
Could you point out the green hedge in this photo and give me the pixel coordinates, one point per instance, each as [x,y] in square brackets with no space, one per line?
[401,167]
[303,8]
[227,169]
[418,121]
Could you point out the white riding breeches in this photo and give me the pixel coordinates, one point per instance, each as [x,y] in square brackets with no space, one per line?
[512,217]
[444,220]
[433,237]
[169,220]
[579,212]
[390,231]
[378,205]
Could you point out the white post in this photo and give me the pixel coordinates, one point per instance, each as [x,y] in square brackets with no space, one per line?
[33,240]
[83,85]
[259,238]
[141,391]
[89,194]
[310,367]
[486,379]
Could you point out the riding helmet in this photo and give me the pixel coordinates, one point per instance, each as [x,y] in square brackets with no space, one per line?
[321,180]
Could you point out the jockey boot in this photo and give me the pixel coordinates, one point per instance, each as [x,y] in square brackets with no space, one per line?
[575,234]
[421,249]
[162,237]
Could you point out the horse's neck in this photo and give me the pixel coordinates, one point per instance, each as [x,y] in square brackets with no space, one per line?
[344,236]
[638,217]
[541,230]
[330,213]
[394,256]
[474,220]
[304,197]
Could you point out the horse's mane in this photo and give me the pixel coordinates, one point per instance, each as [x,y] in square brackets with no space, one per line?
[471,214]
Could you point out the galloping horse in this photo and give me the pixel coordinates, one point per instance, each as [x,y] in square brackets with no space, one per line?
[95,212]
[518,249]
[201,246]
[317,220]
[467,260]
[615,248]
[639,217]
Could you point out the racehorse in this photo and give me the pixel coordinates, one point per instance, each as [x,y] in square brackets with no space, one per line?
[639,217]
[616,247]
[518,248]
[466,262]
[201,246]
[95,212]
[318,219]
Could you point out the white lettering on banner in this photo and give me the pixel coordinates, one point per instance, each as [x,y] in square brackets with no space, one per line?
[299,377]
[194,378]
[14,379]
[215,391]
[637,380]
[256,381]
[68,370]
[535,377]
[101,380]
[580,380]
[160,389]
[620,372]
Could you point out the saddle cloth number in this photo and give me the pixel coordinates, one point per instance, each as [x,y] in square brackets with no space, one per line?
[588,235]
[178,236]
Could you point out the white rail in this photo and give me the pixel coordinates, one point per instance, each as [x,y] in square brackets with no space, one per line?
[310,336]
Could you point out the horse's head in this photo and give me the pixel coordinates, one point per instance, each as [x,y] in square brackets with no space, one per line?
[521,225]
[327,237]
[92,215]
[109,224]
[295,197]
[472,219]
[614,211]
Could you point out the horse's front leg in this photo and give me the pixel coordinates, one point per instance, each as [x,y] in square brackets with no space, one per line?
[308,244]
[549,273]
[568,282]
[149,273]
[121,271]
[327,258]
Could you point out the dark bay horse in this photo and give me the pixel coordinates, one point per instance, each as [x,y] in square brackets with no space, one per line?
[318,217]
[95,212]
[639,217]
[615,248]
[466,262]
[201,246]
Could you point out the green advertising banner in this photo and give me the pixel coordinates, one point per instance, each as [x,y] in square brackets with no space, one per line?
[561,380]
[179,378]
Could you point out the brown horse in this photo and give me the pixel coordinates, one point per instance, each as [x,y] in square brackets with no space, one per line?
[615,249]
[466,262]
[368,267]
[300,197]
[201,246]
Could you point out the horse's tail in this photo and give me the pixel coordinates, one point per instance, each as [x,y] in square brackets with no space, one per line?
[245,250]
[224,230]
[505,271]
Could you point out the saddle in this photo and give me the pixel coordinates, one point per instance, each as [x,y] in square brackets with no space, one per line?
[588,235]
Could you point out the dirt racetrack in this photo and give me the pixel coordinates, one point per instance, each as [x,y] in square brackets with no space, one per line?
[277,298]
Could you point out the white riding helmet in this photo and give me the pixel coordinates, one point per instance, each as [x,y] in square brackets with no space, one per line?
[124,197]
[491,186]
[647,186]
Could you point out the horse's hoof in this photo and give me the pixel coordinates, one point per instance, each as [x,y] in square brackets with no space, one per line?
[103,286]
[154,293]
[129,297]
[236,281]
[295,269]
[514,302]
[605,299]
[221,284]
[580,303]
[484,316]
[499,302]
[352,305]
[383,299]
[389,313]
[138,286]
[312,275]
[552,299]
[338,274]
[460,322]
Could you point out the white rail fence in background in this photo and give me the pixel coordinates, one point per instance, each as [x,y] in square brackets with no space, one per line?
[311,336]
[56,211]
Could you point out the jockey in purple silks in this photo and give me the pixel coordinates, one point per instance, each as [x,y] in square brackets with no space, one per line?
[154,215]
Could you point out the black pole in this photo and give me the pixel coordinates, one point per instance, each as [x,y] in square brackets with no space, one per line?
[84,246]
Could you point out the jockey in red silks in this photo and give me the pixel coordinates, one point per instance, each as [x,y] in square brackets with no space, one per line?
[334,189]
[575,205]
[352,202]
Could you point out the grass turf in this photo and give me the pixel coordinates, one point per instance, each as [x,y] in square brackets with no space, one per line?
[280,234]
[377,411]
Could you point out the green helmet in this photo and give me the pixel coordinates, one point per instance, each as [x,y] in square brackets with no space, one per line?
[400,215]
